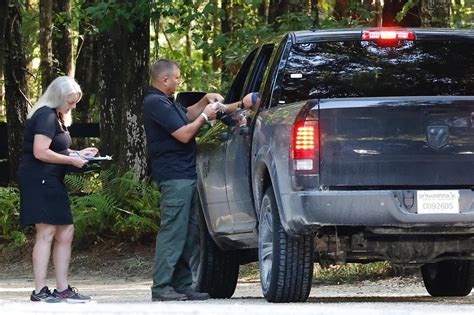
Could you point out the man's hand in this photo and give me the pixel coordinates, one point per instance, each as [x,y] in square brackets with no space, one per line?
[211,111]
[251,101]
[213,97]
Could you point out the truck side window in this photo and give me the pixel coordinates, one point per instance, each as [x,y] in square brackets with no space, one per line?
[258,69]
[237,87]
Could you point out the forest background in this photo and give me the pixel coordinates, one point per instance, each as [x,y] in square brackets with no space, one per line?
[108,47]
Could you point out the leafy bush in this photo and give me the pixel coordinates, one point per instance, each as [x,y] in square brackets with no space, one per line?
[108,205]
[10,232]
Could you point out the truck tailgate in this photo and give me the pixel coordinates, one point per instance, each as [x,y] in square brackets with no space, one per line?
[402,141]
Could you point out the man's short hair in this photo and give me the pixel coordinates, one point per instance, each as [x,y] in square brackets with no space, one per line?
[163,66]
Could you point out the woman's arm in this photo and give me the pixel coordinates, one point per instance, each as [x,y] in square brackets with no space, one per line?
[42,152]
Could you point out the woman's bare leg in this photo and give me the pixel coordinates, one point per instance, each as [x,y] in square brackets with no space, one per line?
[62,254]
[42,253]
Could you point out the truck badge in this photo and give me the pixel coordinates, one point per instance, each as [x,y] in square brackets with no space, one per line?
[437,136]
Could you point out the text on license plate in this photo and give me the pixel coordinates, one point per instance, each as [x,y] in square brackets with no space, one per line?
[437,201]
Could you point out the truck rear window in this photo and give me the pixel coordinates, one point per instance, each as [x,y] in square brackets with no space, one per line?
[364,69]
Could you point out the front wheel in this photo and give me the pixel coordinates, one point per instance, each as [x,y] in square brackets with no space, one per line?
[448,278]
[286,263]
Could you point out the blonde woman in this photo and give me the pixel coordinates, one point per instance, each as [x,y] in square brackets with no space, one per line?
[44,200]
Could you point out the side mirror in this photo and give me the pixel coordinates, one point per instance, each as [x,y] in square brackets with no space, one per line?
[189,98]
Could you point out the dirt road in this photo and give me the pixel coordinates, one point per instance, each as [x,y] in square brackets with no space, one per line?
[123,276]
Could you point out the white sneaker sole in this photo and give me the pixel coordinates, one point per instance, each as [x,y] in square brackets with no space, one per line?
[77,301]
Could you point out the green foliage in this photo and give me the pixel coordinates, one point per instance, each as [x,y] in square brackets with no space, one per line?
[106,14]
[406,7]
[334,273]
[10,232]
[350,272]
[463,14]
[108,205]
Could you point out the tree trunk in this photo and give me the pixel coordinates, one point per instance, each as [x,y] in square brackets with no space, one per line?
[263,11]
[87,68]
[281,7]
[45,41]
[315,13]
[189,43]
[226,24]
[3,20]
[277,8]
[16,87]
[62,43]
[435,13]
[154,55]
[340,9]
[124,57]
[272,11]
[372,6]
[216,65]
[226,28]
[378,20]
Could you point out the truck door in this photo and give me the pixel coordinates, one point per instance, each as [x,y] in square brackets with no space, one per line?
[211,163]
[238,176]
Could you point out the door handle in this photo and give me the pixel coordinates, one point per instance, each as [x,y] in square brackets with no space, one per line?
[223,136]
[244,130]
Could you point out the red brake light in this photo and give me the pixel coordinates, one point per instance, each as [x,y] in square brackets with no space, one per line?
[304,137]
[305,147]
[388,35]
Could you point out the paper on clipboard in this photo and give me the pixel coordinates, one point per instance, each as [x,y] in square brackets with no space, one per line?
[98,158]
[90,157]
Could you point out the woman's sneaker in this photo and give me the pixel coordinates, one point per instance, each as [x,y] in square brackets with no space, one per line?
[44,295]
[71,295]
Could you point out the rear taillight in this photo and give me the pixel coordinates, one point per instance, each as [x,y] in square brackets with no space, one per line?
[305,146]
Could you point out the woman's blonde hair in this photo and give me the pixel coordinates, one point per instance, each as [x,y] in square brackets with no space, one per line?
[56,95]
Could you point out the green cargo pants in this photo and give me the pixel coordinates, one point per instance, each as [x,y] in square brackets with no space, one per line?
[177,242]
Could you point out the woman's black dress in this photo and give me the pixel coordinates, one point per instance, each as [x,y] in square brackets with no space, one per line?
[43,195]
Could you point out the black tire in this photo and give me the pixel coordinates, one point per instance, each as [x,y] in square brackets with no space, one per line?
[218,270]
[286,263]
[448,278]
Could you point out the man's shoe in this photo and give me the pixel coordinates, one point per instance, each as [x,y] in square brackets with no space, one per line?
[71,295]
[44,295]
[169,294]
[193,295]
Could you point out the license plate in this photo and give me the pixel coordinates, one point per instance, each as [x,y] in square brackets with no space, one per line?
[437,201]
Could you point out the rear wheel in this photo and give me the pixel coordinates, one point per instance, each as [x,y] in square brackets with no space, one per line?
[286,263]
[218,270]
[448,278]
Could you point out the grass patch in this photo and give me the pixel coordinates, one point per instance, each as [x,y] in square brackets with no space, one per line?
[332,274]
[249,272]
[352,272]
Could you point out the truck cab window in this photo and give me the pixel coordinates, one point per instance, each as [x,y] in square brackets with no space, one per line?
[363,69]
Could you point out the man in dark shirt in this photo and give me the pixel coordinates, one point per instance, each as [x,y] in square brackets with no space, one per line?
[170,130]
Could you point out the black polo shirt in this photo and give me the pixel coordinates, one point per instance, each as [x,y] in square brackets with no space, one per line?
[45,122]
[170,158]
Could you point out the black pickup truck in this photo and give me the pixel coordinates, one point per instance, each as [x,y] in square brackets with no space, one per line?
[362,150]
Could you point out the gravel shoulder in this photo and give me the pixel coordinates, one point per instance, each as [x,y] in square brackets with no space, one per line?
[122,274]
